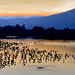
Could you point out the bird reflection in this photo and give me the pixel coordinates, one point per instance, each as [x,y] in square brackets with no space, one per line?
[11,51]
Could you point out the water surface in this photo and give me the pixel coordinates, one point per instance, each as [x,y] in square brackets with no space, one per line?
[30,57]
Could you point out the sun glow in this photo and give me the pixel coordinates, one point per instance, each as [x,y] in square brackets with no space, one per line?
[34,7]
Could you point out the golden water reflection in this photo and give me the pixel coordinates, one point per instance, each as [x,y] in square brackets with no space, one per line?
[39,55]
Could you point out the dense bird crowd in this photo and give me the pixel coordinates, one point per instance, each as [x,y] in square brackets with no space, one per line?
[10,52]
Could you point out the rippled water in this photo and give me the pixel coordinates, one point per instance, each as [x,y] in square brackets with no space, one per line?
[30,57]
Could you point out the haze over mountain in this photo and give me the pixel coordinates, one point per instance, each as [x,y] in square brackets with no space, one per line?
[58,21]
[13,17]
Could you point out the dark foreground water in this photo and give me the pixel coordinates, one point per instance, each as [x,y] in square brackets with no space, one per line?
[37,57]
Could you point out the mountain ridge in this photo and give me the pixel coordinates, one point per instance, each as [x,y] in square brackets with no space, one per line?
[58,21]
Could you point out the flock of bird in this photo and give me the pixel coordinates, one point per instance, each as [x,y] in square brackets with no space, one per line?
[10,52]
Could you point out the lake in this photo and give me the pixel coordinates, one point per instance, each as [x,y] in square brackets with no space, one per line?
[37,57]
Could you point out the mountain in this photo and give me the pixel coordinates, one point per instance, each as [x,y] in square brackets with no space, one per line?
[59,21]
[13,17]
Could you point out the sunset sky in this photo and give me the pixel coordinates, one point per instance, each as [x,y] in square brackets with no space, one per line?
[34,7]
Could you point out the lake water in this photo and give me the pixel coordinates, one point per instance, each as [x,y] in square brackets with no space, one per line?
[37,57]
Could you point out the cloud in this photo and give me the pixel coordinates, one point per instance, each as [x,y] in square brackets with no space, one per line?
[32,6]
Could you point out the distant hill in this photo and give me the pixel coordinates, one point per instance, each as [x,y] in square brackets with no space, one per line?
[59,21]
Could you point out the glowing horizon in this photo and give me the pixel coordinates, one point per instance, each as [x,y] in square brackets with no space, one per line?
[34,7]
[28,14]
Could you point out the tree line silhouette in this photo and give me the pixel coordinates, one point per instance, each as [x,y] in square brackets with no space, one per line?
[37,32]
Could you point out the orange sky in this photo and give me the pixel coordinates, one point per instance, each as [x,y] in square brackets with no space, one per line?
[34,7]
[28,14]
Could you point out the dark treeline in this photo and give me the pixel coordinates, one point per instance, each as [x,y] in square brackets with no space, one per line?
[37,32]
